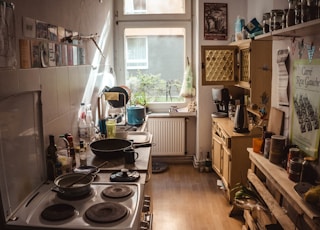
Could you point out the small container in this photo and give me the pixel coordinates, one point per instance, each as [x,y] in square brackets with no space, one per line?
[308,173]
[266,22]
[277,19]
[256,144]
[111,128]
[293,153]
[266,151]
[295,169]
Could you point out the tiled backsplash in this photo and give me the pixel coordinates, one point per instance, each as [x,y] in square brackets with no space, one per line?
[62,91]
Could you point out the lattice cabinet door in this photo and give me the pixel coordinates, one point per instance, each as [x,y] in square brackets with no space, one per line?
[219,65]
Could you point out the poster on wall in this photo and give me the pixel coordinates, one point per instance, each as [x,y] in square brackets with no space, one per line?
[305,105]
[215,21]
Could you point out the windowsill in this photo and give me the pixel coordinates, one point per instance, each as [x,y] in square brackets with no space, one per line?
[172,114]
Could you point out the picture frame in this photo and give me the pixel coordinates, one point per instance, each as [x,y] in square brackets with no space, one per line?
[304,107]
[215,21]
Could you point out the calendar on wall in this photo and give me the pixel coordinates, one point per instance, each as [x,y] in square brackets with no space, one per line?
[305,105]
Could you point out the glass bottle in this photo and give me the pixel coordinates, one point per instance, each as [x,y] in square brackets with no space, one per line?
[290,18]
[51,158]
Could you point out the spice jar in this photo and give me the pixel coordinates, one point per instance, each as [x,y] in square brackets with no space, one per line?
[266,22]
[284,19]
[290,17]
[313,9]
[277,19]
[297,13]
[308,173]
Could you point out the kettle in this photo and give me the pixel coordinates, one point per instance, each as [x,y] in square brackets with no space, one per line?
[241,119]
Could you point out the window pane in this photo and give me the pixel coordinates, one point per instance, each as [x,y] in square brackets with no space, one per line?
[136,53]
[154,7]
[161,80]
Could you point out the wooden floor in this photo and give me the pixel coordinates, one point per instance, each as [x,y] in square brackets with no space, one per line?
[185,199]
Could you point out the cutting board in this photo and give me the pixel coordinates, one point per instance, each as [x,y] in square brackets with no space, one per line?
[275,123]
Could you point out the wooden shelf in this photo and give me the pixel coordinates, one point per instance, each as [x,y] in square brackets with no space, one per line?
[278,177]
[304,29]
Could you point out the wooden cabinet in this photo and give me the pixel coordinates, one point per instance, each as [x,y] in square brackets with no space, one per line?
[255,69]
[219,65]
[229,153]
[246,64]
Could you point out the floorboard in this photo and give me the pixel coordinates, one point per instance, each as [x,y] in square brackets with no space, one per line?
[183,198]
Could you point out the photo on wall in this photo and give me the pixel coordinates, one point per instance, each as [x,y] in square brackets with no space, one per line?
[215,21]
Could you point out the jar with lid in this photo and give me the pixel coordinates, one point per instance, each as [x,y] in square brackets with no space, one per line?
[297,13]
[277,19]
[308,172]
[313,9]
[266,22]
[284,19]
[304,11]
[290,17]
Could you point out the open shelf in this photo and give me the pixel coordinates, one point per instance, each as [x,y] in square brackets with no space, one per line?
[304,29]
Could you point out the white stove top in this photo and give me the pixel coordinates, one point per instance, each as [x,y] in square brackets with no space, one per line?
[29,214]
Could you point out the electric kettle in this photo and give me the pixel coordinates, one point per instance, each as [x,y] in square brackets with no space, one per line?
[241,119]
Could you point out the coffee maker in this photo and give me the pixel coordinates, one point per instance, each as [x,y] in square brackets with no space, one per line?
[221,97]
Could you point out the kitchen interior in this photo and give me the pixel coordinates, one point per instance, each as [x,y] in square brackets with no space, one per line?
[254,125]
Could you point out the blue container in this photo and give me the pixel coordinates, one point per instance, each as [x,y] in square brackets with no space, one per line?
[136,115]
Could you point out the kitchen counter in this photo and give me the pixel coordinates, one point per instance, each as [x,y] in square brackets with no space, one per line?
[228,126]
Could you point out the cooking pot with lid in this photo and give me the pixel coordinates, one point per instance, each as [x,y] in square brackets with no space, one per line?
[136,115]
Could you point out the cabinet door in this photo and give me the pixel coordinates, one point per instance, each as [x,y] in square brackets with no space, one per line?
[219,65]
[226,165]
[216,153]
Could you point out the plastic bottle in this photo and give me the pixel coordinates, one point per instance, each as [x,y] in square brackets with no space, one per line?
[82,124]
[238,29]
[89,123]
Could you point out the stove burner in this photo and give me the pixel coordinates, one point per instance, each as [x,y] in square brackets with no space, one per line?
[117,191]
[106,212]
[58,212]
[73,197]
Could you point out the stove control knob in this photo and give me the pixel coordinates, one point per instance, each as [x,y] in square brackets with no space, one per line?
[146,208]
[144,225]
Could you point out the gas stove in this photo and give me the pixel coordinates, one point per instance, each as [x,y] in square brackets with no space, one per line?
[108,206]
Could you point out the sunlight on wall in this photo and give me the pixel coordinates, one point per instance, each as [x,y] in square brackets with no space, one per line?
[100,74]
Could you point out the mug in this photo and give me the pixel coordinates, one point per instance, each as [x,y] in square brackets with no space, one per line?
[130,156]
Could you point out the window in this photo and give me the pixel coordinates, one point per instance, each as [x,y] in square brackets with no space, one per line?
[135,7]
[136,52]
[152,50]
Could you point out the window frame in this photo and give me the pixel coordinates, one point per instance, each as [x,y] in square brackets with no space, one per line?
[123,22]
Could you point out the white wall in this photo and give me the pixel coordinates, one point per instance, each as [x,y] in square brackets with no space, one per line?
[64,88]
[246,9]
[205,103]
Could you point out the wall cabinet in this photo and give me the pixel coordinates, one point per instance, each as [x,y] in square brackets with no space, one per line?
[246,64]
[229,153]
[255,69]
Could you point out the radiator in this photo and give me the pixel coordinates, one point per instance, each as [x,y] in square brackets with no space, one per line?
[168,134]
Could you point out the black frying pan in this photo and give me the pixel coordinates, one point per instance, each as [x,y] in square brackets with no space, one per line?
[113,147]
